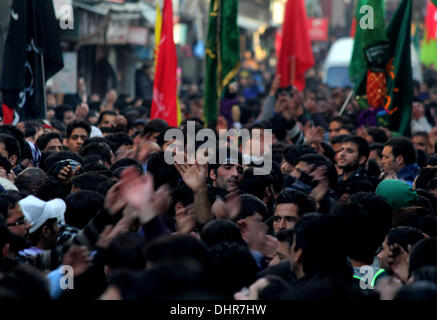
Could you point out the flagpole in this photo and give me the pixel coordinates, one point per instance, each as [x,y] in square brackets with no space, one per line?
[43,77]
[346,102]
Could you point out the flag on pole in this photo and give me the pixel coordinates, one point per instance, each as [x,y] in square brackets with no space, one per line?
[158,29]
[296,55]
[428,52]
[395,112]
[32,55]
[164,103]
[222,54]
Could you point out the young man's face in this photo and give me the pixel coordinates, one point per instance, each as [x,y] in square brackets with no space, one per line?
[4,153]
[420,143]
[334,129]
[285,217]
[348,157]
[107,121]
[53,145]
[375,155]
[69,117]
[76,140]
[228,176]
[283,252]
[383,255]
[389,163]
[16,222]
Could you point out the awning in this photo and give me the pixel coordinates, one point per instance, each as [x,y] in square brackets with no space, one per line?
[250,23]
[124,11]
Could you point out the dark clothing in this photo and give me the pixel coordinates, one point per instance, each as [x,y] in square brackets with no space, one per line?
[409,173]
[324,285]
[143,86]
[357,182]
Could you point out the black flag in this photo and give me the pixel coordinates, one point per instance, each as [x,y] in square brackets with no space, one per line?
[32,55]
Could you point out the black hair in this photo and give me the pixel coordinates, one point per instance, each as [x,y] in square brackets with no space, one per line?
[422,134]
[304,202]
[423,253]
[425,273]
[29,180]
[378,135]
[119,139]
[339,139]
[11,146]
[293,153]
[126,251]
[426,175]
[218,231]
[404,236]
[78,124]
[432,159]
[4,235]
[104,113]
[255,184]
[24,149]
[421,158]
[274,290]
[82,206]
[89,181]
[58,125]
[250,205]
[98,148]
[328,151]
[417,291]
[51,189]
[174,249]
[402,147]
[235,267]
[58,156]
[60,110]
[45,138]
[378,147]
[323,249]
[162,172]
[182,194]
[156,125]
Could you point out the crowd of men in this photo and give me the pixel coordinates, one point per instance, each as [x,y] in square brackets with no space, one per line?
[346,212]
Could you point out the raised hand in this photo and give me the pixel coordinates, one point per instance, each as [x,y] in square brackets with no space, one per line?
[113,200]
[398,260]
[78,258]
[137,190]
[194,175]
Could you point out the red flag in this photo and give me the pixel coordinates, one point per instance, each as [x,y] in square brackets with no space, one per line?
[353,27]
[164,104]
[296,55]
[431,21]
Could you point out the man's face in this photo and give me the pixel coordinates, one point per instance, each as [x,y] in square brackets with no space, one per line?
[108,121]
[334,129]
[420,143]
[299,168]
[389,163]
[69,117]
[348,157]
[383,255]
[5,153]
[76,140]
[375,155]
[16,222]
[52,235]
[285,216]
[228,175]
[283,252]
[54,145]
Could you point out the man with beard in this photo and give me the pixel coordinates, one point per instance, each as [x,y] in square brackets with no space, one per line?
[18,226]
[352,159]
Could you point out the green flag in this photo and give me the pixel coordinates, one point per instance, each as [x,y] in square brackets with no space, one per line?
[370,31]
[435,2]
[222,54]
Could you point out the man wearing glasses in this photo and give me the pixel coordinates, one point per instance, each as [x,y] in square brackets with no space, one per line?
[291,205]
[16,223]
